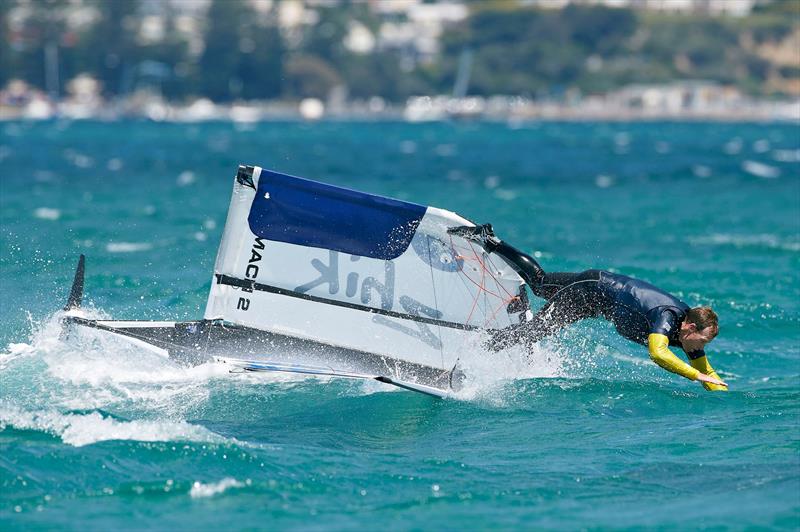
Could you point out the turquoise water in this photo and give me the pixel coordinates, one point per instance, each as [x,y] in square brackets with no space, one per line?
[100,434]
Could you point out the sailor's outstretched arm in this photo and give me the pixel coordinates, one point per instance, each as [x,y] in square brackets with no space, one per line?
[658,345]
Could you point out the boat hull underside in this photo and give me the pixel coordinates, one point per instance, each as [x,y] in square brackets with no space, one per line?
[198,342]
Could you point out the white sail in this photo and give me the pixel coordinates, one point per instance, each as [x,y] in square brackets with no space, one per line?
[358,271]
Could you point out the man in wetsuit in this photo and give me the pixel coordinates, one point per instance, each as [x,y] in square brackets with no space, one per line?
[640,311]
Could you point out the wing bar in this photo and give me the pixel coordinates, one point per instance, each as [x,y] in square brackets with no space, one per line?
[263,366]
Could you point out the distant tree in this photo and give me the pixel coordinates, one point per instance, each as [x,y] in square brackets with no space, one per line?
[220,77]
[6,57]
[310,77]
[262,63]
[39,55]
[598,29]
[109,49]
[242,59]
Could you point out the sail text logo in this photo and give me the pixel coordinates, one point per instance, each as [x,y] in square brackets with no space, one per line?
[369,288]
[251,272]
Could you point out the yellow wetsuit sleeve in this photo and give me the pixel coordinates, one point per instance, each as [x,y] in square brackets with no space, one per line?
[658,344]
[701,364]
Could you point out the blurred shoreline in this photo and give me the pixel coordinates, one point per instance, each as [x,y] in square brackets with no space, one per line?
[639,103]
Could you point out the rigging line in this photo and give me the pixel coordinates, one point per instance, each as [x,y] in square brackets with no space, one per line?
[504,301]
[489,259]
[481,287]
[500,287]
[503,304]
[435,299]
[470,279]
[464,277]
[467,277]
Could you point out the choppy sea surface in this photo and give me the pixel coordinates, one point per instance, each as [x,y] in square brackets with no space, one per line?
[103,435]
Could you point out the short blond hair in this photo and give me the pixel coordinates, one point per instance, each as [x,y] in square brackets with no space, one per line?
[703,318]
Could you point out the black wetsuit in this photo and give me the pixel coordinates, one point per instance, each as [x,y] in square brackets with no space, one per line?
[636,308]
[640,311]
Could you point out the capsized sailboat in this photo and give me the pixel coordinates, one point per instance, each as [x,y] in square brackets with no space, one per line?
[317,279]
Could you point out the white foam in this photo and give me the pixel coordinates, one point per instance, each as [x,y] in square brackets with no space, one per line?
[127,247]
[84,429]
[489,372]
[46,213]
[761,170]
[185,178]
[603,181]
[741,241]
[97,371]
[733,146]
[702,171]
[201,490]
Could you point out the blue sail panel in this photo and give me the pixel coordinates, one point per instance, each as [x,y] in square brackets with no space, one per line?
[303,212]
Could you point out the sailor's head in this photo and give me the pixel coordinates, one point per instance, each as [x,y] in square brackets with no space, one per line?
[698,328]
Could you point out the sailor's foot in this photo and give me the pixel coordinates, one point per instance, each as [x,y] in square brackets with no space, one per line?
[482,234]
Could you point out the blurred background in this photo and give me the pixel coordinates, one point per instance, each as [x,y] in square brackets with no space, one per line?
[247,60]
[658,138]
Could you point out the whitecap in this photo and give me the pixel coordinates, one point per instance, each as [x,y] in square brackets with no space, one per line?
[733,146]
[740,241]
[761,146]
[701,171]
[84,429]
[492,181]
[761,170]
[127,247]
[186,178]
[505,194]
[200,490]
[46,213]
[603,181]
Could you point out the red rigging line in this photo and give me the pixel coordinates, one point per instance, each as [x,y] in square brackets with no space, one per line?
[481,286]
[477,259]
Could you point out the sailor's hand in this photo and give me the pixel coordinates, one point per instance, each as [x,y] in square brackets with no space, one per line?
[702,377]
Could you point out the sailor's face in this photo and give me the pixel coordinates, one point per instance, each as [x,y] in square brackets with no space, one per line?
[693,339]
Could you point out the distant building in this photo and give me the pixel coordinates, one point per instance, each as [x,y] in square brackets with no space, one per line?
[416,27]
[737,8]
[680,97]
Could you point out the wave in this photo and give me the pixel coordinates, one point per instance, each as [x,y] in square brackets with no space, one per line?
[84,429]
[95,387]
[127,247]
[201,490]
[764,240]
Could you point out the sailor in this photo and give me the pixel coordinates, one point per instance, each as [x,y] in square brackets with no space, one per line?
[639,311]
